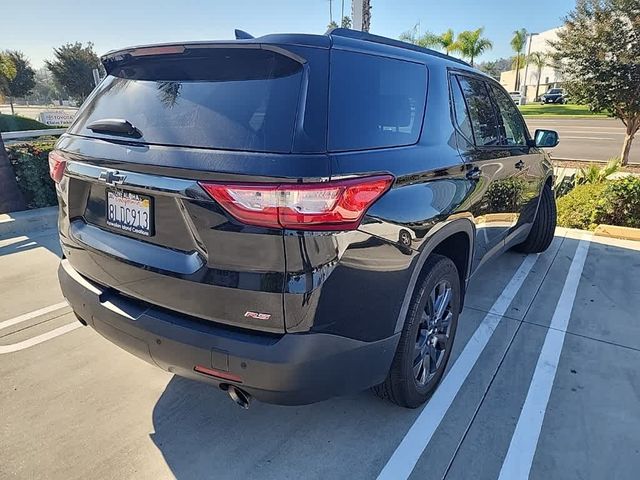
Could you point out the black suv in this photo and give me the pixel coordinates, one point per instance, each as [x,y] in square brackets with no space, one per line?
[293,217]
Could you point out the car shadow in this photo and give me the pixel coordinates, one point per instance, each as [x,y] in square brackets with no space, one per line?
[203,434]
[47,239]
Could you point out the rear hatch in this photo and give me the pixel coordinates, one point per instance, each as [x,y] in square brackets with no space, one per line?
[166,120]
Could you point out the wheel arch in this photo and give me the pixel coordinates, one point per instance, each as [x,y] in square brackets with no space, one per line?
[444,239]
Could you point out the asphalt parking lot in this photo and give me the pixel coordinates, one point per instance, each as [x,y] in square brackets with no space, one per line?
[544,381]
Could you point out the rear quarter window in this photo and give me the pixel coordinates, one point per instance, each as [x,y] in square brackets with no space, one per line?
[374,101]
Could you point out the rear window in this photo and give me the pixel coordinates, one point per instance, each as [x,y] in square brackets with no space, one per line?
[374,101]
[236,99]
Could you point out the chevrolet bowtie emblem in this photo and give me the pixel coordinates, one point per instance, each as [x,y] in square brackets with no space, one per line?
[112,177]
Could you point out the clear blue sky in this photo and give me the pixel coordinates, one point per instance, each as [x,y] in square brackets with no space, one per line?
[35,27]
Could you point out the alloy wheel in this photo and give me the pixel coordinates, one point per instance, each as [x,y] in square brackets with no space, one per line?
[433,337]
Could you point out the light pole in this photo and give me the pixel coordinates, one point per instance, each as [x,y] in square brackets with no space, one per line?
[523,87]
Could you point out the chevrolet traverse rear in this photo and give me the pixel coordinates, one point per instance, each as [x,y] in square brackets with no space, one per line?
[291,217]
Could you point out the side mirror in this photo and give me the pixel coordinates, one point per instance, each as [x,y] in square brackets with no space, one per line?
[546,138]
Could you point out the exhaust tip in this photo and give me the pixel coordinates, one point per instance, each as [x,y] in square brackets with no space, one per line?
[239,396]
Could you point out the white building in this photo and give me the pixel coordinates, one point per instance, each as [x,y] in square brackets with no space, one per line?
[549,77]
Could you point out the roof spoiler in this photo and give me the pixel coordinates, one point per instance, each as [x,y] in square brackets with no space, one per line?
[242,35]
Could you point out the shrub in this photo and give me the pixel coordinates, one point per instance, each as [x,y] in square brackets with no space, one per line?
[576,209]
[31,167]
[595,173]
[620,203]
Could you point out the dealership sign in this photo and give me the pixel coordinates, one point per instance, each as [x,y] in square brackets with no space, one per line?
[57,118]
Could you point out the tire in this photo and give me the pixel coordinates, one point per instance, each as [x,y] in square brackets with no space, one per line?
[543,227]
[404,385]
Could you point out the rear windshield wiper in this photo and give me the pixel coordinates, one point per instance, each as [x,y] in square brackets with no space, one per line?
[115,126]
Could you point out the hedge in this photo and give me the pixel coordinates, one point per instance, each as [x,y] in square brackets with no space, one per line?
[613,202]
[620,203]
[31,167]
[575,209]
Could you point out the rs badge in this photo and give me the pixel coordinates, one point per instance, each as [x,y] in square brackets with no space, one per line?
[258,316]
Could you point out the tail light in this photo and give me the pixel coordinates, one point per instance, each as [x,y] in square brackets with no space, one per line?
[338,205]
[57,165]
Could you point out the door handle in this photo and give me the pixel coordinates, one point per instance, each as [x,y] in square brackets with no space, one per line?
[520,164]
[474,174]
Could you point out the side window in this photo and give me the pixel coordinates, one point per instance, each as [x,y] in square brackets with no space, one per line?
[483,118]
[460,110]
[374,101]
[514,128]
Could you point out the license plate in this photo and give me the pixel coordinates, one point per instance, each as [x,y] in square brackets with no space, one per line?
[130,212]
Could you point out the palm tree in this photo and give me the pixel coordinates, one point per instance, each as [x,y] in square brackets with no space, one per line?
[538,60]
[471,44]
[448,42]
[445,41]
[518,43]
[517,61]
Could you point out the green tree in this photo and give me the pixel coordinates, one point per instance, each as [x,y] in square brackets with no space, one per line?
[73,68]
[518,43]
[538,60]
[495,67]
[7,72]
[411,35]
[22,83]
[45,90]
[471,44]
[10,196]
[598,54]
[346,22]
[332,25]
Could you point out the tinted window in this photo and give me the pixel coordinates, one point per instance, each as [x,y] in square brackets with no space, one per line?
[514,129]
[238,99]
[481,112]
[460,110]
[555,90]
[374,101]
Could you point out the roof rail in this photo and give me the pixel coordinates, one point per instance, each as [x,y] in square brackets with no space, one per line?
[369,37]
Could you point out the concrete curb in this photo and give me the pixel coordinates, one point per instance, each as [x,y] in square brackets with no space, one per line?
[583,160]
[612,231]
[18,223]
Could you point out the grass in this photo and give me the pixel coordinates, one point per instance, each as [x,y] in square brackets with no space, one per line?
[557,110]
[14,123]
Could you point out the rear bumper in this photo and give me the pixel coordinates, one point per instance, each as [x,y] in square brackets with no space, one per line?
[289,369]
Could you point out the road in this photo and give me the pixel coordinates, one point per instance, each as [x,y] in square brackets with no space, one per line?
[586,139]
[545,376]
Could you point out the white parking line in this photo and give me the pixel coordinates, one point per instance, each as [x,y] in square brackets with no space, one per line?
[39,339]
[30,315]
[407,454]
[517,463]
